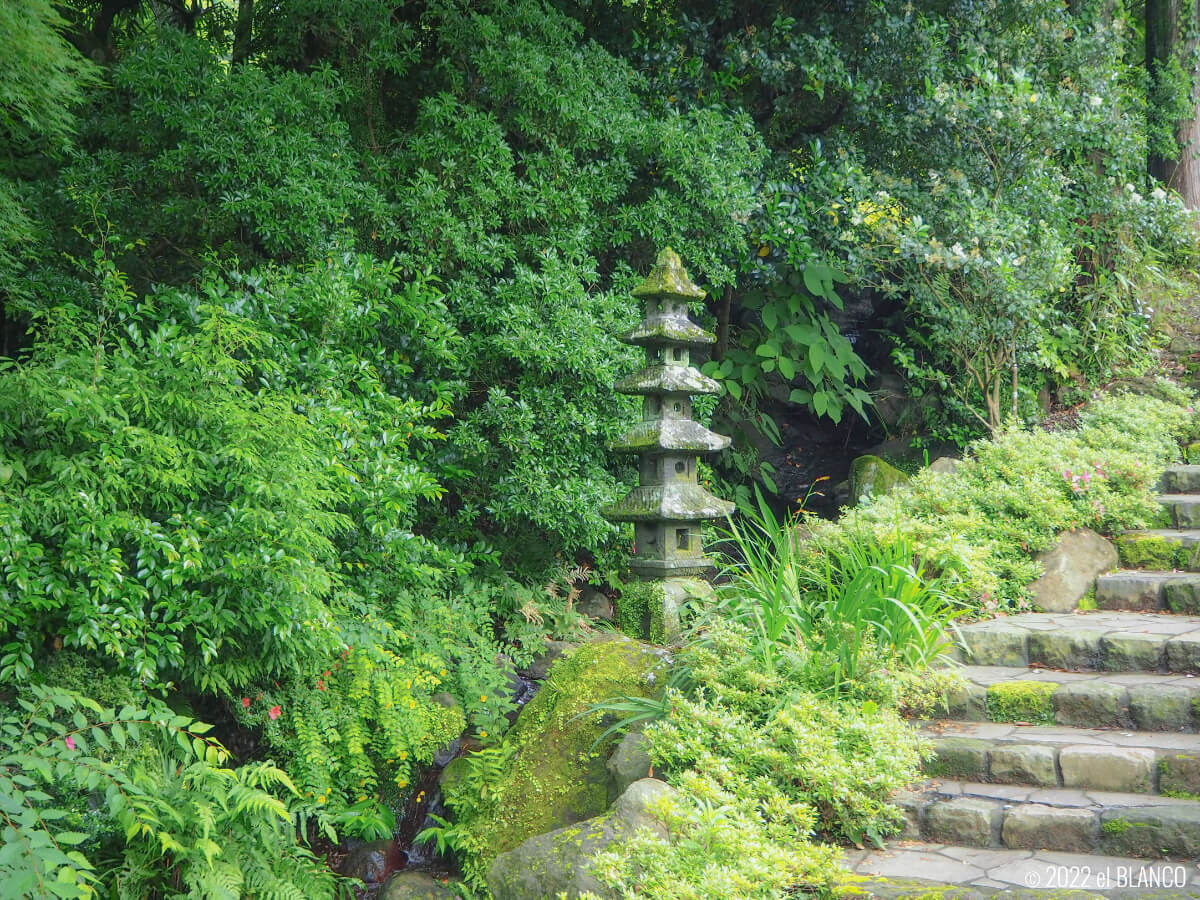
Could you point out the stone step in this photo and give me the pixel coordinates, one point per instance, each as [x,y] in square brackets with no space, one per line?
[912,869]
[1083,758]
[1135,701]
[1022,817]
[1183,509]
[1082,642]
[1160,548]
[1181,480]
[1142,591]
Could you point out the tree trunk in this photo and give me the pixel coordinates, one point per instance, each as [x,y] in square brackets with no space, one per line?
[1163,41]
[243,30]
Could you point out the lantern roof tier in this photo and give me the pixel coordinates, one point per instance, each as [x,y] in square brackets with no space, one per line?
[667,379]
[667,434]
[678,502]
[668,328]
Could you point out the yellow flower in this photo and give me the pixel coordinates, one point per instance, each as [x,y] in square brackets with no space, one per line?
[483,698]
[482,733]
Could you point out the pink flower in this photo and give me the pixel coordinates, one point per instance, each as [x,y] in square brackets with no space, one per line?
[245,703]
[70,742]
[274,712]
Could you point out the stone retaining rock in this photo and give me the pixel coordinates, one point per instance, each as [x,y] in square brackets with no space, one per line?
[1108,768]
[547,864]
[1035,827]
[965,821]
[1070,569]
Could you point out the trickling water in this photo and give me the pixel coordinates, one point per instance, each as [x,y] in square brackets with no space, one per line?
[426,801]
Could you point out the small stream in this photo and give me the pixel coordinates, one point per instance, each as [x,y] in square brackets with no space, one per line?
[401,852]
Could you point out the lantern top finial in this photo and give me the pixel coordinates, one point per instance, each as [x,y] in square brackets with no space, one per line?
[668,278]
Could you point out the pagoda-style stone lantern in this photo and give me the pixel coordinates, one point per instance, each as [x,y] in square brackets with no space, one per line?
[669,504]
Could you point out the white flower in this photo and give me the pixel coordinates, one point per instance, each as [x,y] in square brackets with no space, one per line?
[1158,194]
[1095,101]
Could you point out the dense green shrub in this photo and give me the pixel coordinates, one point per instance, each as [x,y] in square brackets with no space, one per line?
[1009,499]
[762,765]
[187,824]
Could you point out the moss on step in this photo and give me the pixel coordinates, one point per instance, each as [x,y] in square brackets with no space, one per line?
[1151,551]
[1021,701]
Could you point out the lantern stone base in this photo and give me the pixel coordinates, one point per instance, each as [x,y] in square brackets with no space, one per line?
[678,591]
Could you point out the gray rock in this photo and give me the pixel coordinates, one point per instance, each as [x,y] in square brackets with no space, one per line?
[997,644]
[540,667]
[945,465]
[595,604]
[1141,591]
[959,757]
[1179,774]
[1033,826]
[965,821]
[1071,567]
[416,886]
[967,702]
[1151,831]
[1023,764]
[558,861]
[1108,768]
[1132,652]
[1183,653]
[629,762]
[871,476]
[1161,707]
[1183,596]
[911,804]
[1090,704]
[1074,650]
[372,862]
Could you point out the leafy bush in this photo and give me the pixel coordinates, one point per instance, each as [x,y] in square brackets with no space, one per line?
[189,825]
[838,613]
[1011,497]
[763,766]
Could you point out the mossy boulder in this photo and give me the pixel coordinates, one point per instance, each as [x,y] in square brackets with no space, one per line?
[556,772]
[549,865]
[871,476]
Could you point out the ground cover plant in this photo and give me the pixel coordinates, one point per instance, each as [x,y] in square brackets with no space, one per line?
[980,526]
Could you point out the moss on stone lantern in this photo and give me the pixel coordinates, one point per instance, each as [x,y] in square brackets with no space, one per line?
[669,504]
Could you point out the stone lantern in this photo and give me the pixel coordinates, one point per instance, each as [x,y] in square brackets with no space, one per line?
[669,504]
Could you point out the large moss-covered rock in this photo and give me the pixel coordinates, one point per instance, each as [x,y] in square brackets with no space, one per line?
[873,477]
[556,772]
[550,864]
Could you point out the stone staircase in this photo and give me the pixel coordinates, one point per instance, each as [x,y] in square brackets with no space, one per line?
[1069,763]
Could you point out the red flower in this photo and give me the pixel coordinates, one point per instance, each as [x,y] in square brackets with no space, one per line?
[245,703]
[70,742]
[320,685]
[273,712]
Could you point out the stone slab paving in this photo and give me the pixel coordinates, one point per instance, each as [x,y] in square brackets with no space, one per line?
[1149,591]
[914,869]
[1086,758]
[1100,641]
[1027,817]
